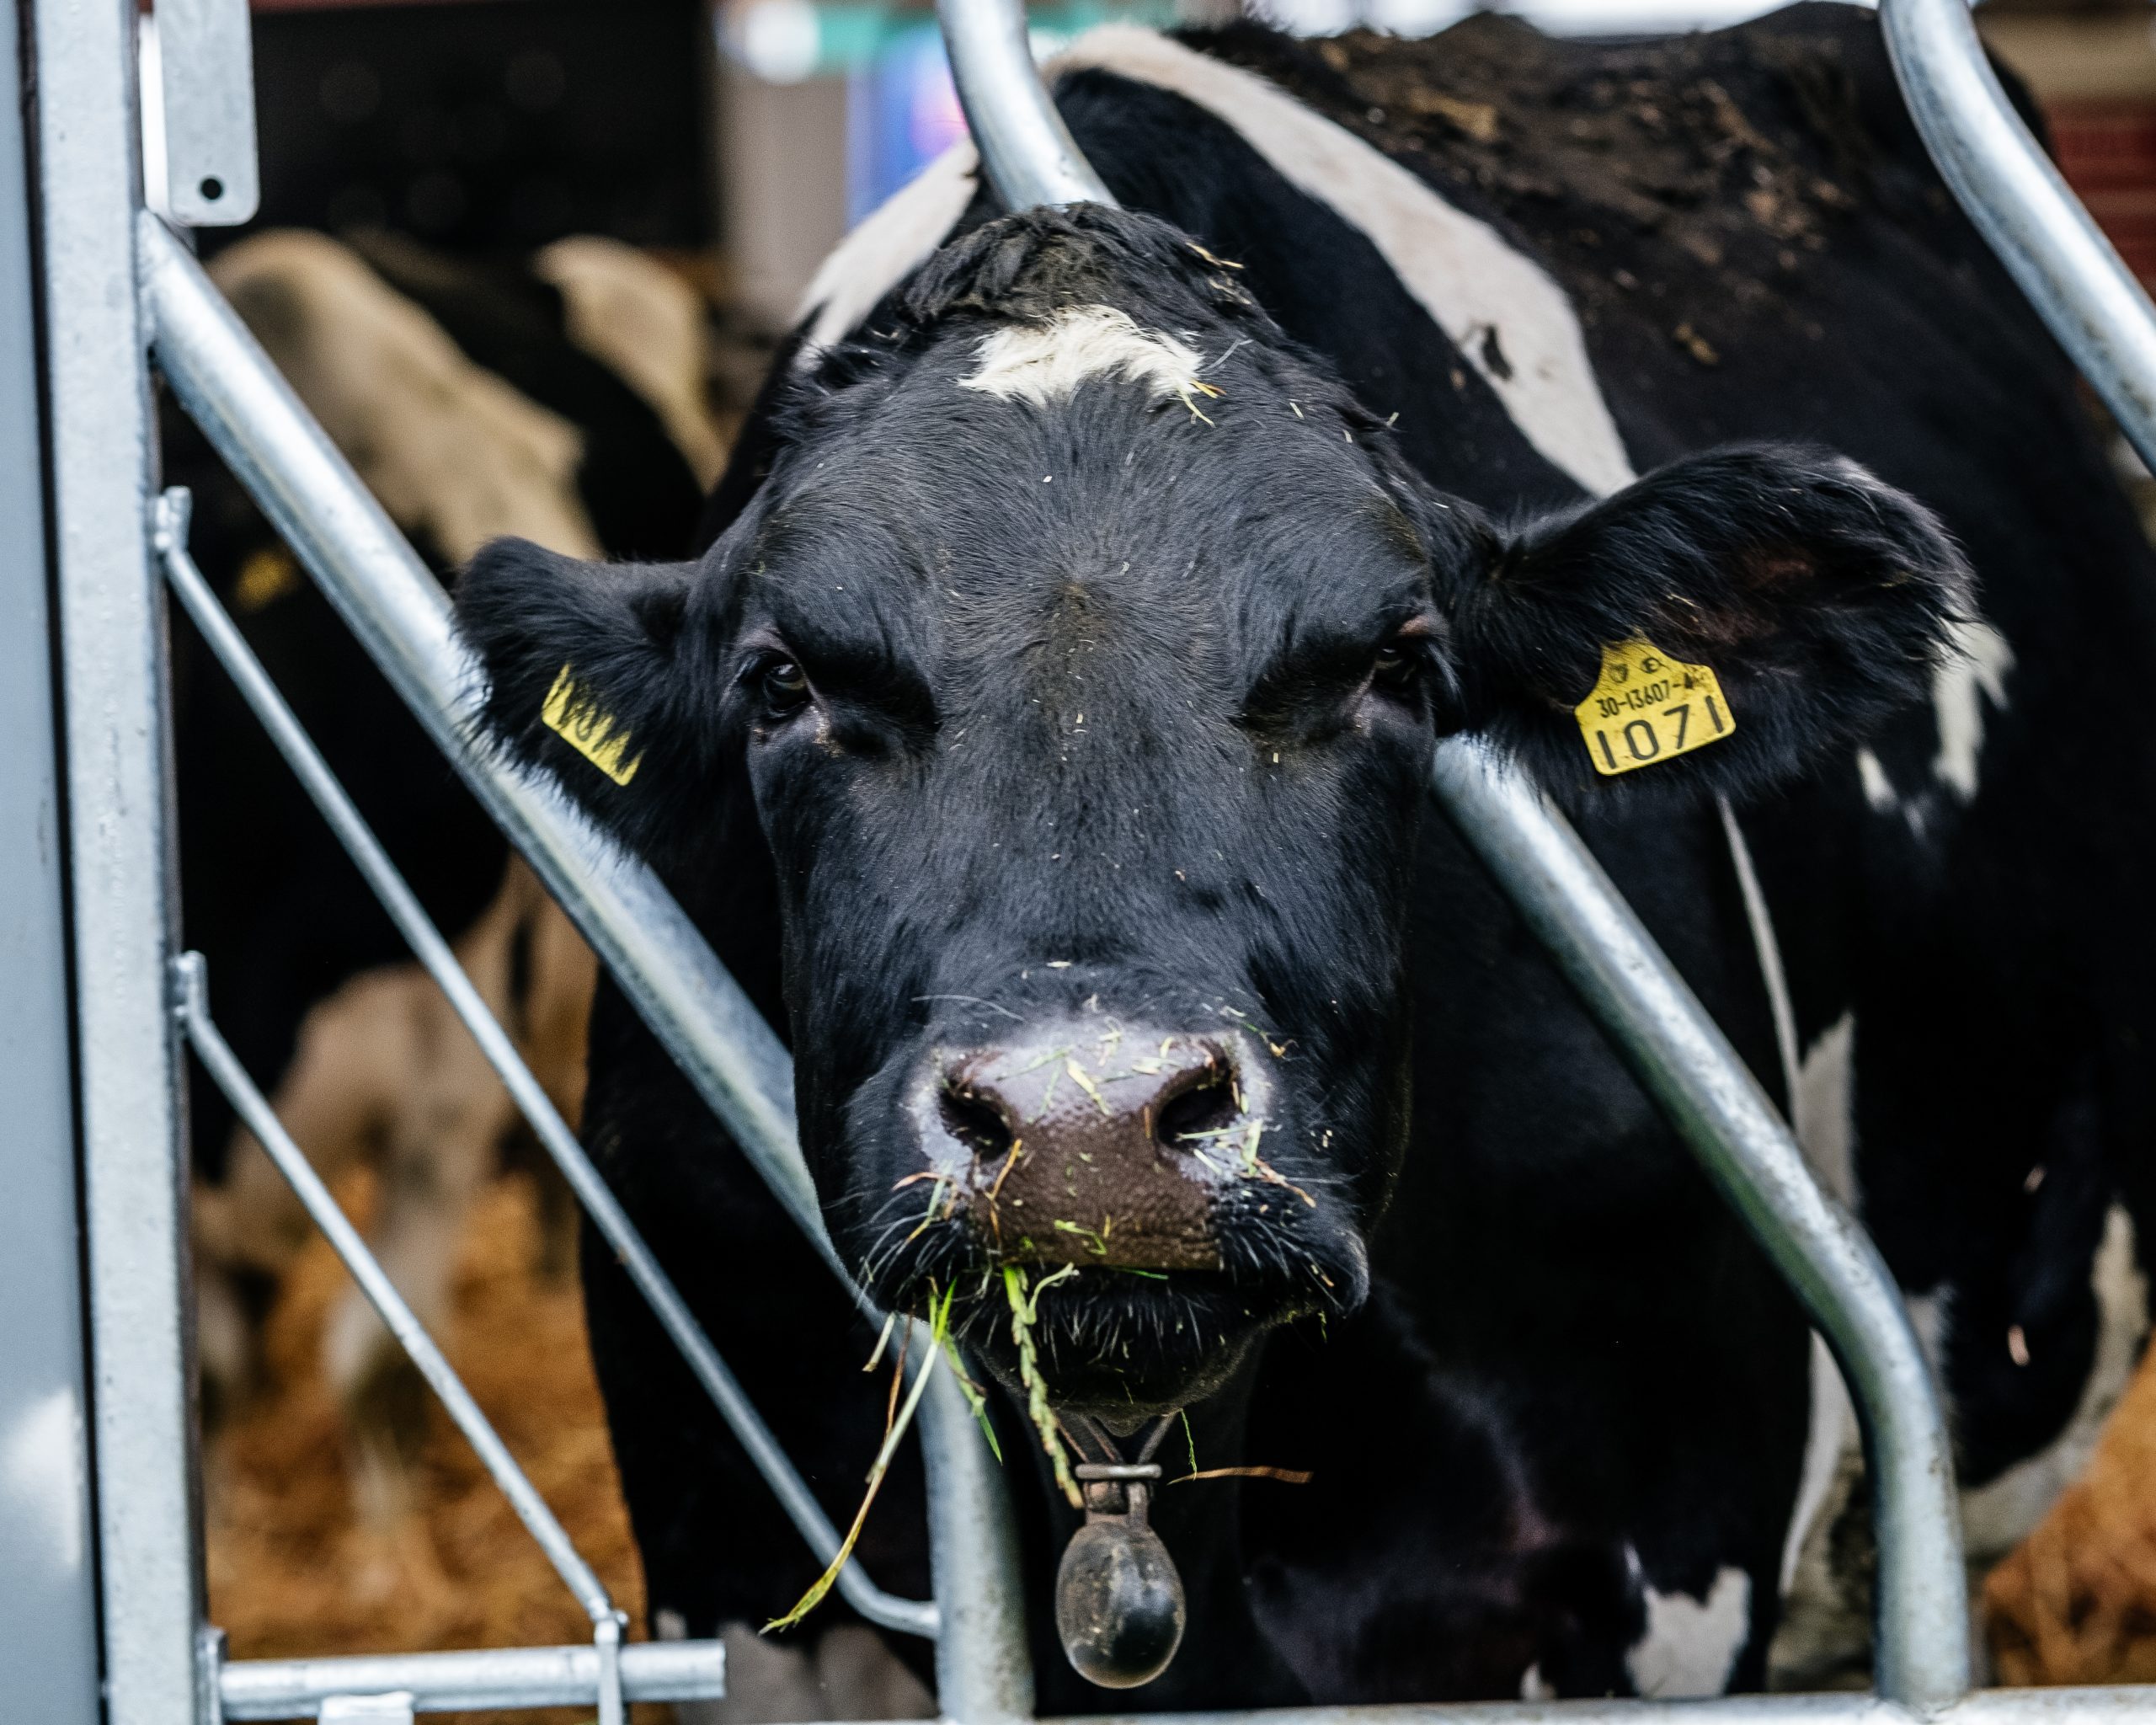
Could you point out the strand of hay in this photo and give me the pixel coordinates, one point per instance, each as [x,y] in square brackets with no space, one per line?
[2076,1602]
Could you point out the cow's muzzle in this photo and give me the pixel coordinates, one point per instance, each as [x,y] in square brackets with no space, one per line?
[1094,1142]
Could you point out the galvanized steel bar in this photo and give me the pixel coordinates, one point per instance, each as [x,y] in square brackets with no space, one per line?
[191,1003]
[401,615]
[1990,1706]
[119,848]
[1921,1657]
[2099,313]
[225,640]
[48,1572]
[495,1677]
[657,955]
[1026,150]
[287,1689]
[983,1666]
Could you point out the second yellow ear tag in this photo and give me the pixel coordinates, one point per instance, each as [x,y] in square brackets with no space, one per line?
[577,721]
[1647,707]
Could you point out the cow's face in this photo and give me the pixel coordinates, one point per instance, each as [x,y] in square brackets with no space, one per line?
[1082,654]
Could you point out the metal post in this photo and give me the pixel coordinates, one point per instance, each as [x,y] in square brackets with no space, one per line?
[118,847]
[48,1600]
[398,612]
[2077,282]
[1921,1653]
[983,1667]
[1026,150]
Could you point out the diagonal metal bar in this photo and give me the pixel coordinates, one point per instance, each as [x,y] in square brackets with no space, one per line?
[191,1003]
[397,610]
[2099,312]
[262,696]
[1026,152]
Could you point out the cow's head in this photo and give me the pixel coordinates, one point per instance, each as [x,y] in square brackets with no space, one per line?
[1082,653]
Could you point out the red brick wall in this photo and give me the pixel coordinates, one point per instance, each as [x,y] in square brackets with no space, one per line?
[2107,151]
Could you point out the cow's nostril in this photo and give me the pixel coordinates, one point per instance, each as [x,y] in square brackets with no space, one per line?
[1206,1105]
[975,1122]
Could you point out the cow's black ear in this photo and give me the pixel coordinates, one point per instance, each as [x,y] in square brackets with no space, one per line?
[592,675]
[1819,597]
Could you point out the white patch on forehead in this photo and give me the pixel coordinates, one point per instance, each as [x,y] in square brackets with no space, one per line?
[1691,1645]
[1975,668]
[1509,318]
[1046,362]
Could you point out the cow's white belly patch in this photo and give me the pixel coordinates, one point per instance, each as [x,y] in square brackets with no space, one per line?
[1691,1645]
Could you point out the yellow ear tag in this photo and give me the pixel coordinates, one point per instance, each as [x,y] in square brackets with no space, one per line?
[1648,707]
[587,731]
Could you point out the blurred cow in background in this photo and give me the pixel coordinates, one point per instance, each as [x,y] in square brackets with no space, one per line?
[566,401]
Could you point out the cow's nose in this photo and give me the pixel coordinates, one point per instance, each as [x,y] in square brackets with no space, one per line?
[1102,1148]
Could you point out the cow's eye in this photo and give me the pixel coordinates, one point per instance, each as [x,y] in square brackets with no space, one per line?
[1396,667]
[785,688]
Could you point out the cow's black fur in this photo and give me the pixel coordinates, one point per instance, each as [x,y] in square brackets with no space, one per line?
[1575,1378]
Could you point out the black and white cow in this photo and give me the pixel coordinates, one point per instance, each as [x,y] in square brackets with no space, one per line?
[1053,707]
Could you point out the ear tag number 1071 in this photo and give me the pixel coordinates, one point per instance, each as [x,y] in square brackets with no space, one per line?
[1647,707]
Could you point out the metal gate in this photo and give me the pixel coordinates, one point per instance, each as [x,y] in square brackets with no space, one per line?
[120,289]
